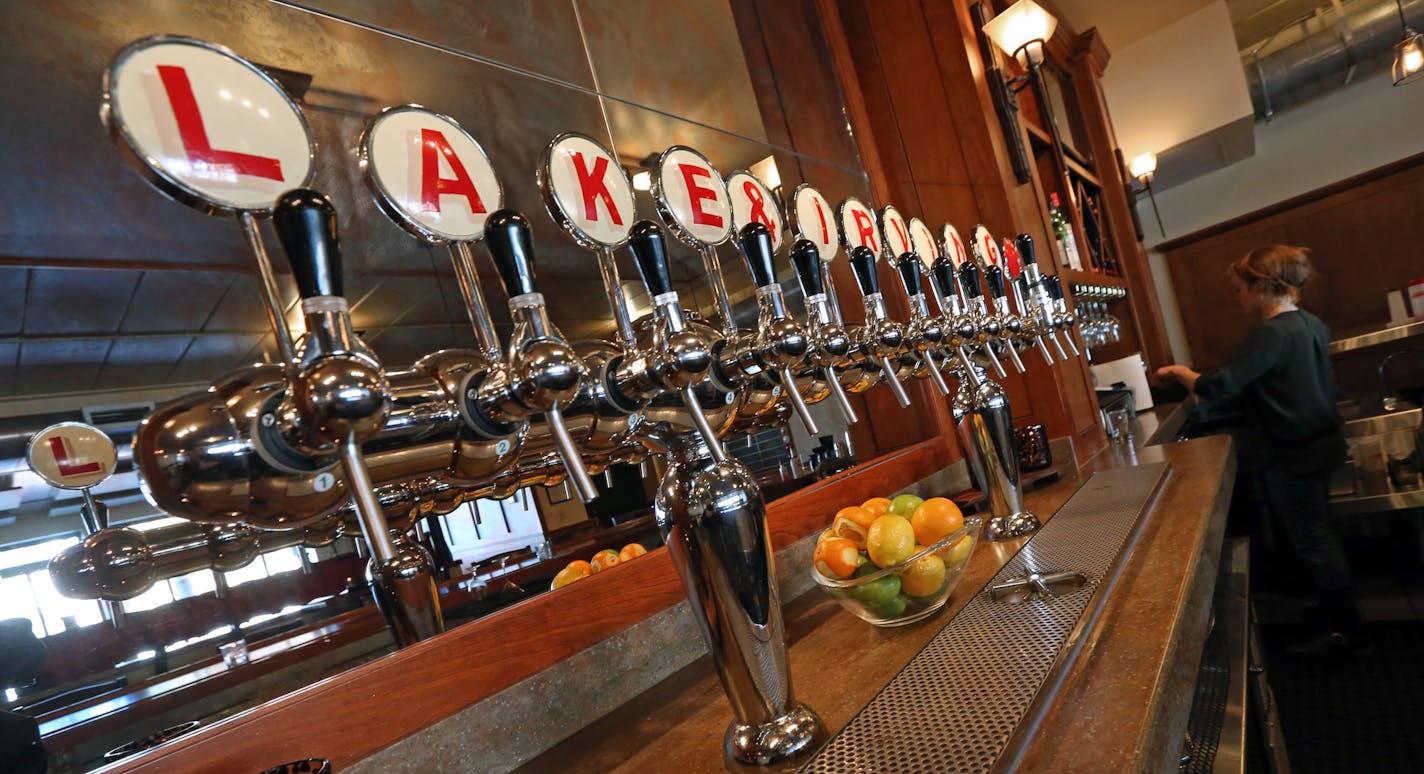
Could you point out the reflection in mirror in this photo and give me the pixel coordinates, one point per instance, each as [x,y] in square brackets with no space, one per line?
[142,301]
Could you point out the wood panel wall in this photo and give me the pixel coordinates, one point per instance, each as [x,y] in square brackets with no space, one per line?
[1364,233]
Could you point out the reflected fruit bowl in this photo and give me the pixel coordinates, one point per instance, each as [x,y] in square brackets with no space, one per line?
[879,595]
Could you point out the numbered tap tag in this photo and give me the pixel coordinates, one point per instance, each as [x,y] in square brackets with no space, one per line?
[1013,262]
[857,225]
[753,202]
[691,197]
[429,175]
[952,245]
[72,455]
[812,218]
[206,126]
[894,231]
[985,248]
[586,191]
[922,242]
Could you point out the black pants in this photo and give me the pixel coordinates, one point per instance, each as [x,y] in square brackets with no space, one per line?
[1300,504]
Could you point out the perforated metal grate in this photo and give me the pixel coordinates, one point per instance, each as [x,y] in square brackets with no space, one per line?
[956,705]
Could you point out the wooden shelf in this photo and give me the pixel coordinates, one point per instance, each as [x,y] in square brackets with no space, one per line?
[1083,173]
[1090,276]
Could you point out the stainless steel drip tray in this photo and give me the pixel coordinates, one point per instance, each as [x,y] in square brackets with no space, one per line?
[975,692]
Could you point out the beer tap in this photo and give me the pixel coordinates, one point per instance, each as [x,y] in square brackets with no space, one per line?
[1008,325]
[1063,319]
[779,342]
[339,397]
[830,343]
[881,338]
[1037,302]
[978,326]
[679,357]
[924,333]
[959,327]
[543,372]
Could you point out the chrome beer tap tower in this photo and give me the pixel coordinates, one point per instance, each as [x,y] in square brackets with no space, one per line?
[326,441]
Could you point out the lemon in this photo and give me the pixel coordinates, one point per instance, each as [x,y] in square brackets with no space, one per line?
[890,540]
[924,577]
[578,569]
[955,555]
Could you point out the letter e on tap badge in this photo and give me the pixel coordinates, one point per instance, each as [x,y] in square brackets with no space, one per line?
[207,127]
[691,197]
[586,191]
[429,175]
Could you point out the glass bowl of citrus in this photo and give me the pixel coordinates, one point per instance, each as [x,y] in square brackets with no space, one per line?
[895,562]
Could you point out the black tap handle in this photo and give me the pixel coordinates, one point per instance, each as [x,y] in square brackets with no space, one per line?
[909,265]
[969,280]
[807,258]
[862,262]
[1054,286]
[994,278]
[507,236]
[650,253]
[1024,243]
[306,226]
[755,240]
[942,274]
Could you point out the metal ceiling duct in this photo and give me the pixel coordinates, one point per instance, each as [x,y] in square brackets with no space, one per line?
[1326,60]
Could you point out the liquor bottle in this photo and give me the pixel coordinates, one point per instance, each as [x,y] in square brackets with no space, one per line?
[1064,244]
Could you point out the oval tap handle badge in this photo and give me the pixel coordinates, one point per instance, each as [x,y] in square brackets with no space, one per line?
[986,248]
[691,197]
[895,232]
[857,225]
[429,175]
[586,191]
[72,455]
[205,126]
[753,202]
[923,243]
[813,218]
[953,245]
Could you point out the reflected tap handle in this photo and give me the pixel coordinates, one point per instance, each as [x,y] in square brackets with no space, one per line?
[755,241]
[807,260]
[994,278]
[507,235]
[650,253]
[969,280]
[1054,285]
[305,221]
[862,262]
[909,266]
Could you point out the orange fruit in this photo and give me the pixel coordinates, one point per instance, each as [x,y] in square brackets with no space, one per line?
[849,529]
[891,540]
[604,559]
[877,505]
[858,514]
[936,519]
[631,551]
[578,569]
[836,558]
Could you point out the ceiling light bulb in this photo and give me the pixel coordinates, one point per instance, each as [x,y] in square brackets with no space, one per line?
[1408,58]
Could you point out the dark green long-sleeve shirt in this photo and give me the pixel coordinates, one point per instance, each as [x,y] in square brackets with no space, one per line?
[1287,385]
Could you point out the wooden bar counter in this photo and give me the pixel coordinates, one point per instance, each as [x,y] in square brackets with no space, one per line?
[1124,708]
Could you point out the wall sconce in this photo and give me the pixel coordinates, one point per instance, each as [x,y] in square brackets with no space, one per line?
[1143,168]
[1408,52]
[1021,31]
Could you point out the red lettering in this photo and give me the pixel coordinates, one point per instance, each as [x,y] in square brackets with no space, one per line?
[865,225]
[904,238]
[825,232]
[698,194]
[594,185]
[66,467]
[195,136]
[759,213]
[433,145]
[959,256]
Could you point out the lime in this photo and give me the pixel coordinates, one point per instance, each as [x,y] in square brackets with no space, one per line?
[924,577]
[890,539]
[905,504]
[877,592]
[894,607]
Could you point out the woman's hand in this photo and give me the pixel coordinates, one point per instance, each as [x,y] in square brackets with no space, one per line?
[1180,373]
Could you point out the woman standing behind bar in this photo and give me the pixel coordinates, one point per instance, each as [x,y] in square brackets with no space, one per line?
[1283,374]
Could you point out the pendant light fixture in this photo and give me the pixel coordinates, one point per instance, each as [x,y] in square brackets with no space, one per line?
[1408,52]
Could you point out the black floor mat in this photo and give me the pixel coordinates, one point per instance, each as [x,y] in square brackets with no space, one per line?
[1352,714]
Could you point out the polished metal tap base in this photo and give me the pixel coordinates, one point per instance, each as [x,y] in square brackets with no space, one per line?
[404,588]
[777,740]
[1013,525]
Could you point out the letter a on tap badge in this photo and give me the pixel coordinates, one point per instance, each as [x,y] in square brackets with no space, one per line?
[691,197]
[211,128]
[587,192]
[429,174]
